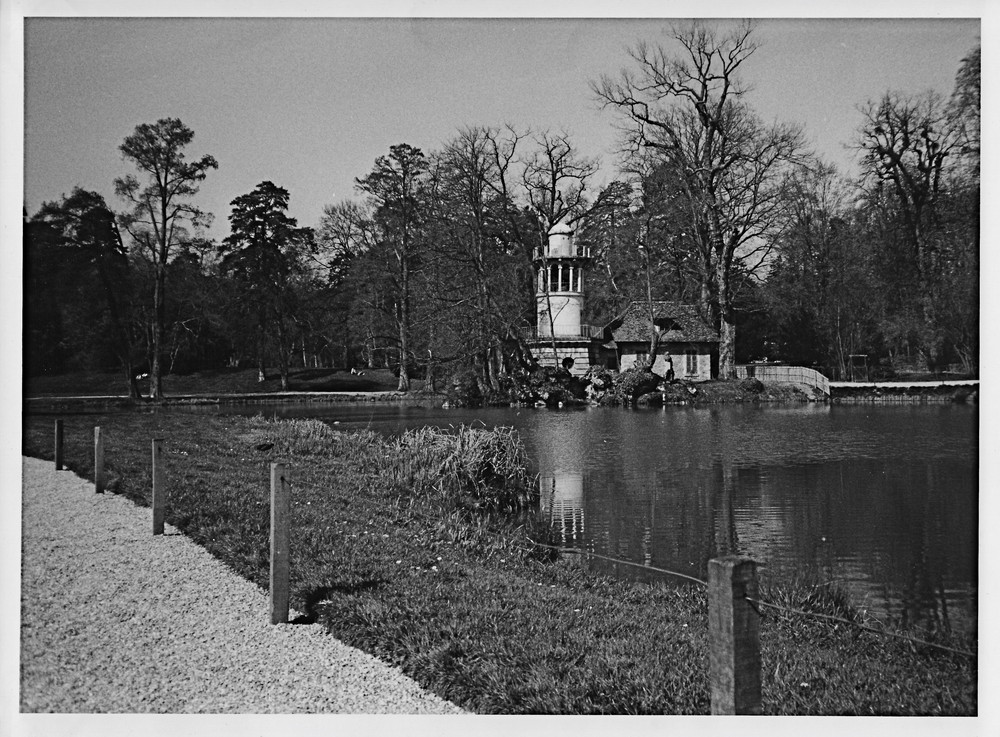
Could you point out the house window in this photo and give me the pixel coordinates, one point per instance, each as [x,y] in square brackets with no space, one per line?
[690,362]
[640,357]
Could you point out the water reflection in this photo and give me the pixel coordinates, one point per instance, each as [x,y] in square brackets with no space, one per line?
[561,502]
[894,524]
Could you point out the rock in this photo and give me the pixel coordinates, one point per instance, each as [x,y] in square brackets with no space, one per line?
[633,383]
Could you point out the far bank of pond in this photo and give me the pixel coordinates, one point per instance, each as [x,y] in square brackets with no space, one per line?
[679,393]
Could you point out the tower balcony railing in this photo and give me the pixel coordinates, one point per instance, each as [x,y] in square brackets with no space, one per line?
[585,332]
[577,251]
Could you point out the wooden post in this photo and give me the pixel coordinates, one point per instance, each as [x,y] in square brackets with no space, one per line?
[59,445]
[98,461]
[159,505]
[733,636]
[279,544]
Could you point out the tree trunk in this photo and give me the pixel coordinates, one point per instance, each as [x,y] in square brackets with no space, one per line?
[727,328]
[654,334]
[159,312]
[404,376]
[133,384]
[654,344]
[404,323]
[727,355]
[284,353]
[283,372]
[261,371]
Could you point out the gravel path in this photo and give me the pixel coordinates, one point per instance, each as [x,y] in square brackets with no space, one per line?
[114,620]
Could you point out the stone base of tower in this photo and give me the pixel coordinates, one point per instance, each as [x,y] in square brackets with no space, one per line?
[581,352]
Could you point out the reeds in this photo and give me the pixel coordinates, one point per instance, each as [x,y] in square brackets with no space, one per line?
[287,438]
[467,467]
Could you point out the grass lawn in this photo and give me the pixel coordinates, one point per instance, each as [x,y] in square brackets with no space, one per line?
[401,548]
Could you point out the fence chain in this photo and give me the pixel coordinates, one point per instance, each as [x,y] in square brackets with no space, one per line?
[833,618]
[619,560]
[756,604]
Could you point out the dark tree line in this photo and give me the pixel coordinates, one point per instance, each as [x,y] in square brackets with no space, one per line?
[428,272]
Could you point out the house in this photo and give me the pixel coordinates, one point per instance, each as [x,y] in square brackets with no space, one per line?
[690,342]
[560,337]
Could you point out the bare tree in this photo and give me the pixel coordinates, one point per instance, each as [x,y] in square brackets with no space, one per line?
[346,230]
[480,237]
[394,188]
[964,110]
[906,143]
[555,179]
[160,208]
[689,109]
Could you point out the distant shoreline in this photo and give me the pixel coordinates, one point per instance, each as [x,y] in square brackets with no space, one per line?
[45,403]
[841,393]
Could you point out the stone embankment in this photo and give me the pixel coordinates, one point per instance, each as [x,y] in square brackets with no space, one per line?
[904,391]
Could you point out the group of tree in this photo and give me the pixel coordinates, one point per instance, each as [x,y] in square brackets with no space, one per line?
[429,271]
[887,267]
[737,216]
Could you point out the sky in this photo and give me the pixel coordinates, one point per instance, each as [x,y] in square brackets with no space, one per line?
[309,103]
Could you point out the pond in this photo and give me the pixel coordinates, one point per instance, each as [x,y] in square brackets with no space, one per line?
[881,499]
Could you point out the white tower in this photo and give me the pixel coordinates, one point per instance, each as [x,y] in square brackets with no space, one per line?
[560,268]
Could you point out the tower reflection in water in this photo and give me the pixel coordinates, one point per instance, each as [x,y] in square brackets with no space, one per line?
[562,507]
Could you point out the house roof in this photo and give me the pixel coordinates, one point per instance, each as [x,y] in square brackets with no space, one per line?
[680,323]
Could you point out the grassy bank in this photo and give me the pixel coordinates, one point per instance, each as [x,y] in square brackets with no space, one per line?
[412,549]
[217,381]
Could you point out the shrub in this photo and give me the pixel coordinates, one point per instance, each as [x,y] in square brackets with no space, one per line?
[634,382]
[463,389]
